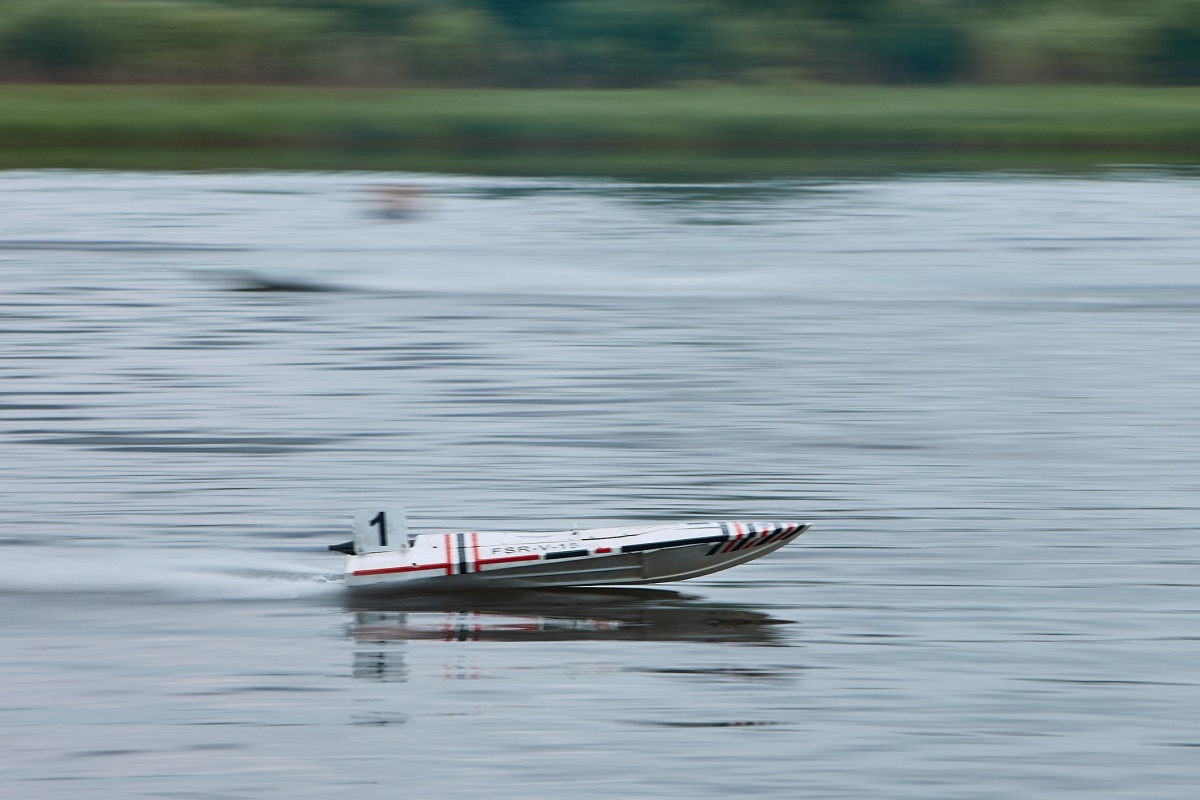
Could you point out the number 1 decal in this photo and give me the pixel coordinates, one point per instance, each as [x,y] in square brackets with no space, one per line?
[380,519]
[378,529]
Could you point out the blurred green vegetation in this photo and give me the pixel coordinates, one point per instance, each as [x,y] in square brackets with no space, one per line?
[709,121]
[667,79]
[599,43]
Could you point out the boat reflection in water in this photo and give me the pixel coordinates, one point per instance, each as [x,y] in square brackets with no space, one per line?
[592,614]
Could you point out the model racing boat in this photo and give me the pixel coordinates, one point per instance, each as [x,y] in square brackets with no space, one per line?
[384,554]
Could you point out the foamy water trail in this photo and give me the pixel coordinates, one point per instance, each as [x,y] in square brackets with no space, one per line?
[179,576]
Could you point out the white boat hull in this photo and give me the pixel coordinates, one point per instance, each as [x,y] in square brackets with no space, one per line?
[606,556]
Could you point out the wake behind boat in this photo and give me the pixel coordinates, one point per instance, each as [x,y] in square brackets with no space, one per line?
[385,554]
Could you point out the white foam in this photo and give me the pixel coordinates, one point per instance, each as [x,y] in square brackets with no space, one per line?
[173,575]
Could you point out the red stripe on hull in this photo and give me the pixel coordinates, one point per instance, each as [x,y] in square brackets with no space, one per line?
[387,570]
[446,565]
[777,533]
[737,537]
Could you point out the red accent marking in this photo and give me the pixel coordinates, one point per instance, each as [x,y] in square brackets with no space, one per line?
[788,530]
[754,536]
[386,570]
[775,532]
[509,559]
[779,533]
[475,549]
[600,550]
[737,535]
[449,554]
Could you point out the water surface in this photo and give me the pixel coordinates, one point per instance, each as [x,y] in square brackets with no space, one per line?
[981,388]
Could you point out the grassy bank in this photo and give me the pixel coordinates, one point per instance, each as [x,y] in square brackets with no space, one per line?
[694,122]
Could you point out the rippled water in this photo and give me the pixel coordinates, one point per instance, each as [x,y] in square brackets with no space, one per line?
[982,389]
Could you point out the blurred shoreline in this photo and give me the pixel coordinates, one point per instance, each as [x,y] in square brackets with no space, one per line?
[687,128]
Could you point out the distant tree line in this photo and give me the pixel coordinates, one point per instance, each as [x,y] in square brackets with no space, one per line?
[599,43]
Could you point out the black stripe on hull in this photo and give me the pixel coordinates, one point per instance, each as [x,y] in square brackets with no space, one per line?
[751,537]
[712,551]
[461,566]
[567,554]
[777,533]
